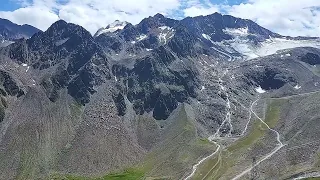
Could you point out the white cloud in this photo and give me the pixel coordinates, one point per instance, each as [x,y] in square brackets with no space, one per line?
[200,10]
[91,14]
[287,17]
[39,17]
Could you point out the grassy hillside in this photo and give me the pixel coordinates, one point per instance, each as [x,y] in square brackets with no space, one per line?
[171,159]
[234,158]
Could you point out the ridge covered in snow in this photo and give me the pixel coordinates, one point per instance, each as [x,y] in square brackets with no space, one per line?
[113,27]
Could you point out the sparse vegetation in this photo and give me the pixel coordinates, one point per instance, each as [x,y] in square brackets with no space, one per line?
[129,174]
[220,164]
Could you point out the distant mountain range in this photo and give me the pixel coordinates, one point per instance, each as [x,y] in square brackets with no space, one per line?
[208,97]
[10,32]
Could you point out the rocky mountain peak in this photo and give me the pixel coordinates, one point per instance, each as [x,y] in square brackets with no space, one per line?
[155,21]
[63,29]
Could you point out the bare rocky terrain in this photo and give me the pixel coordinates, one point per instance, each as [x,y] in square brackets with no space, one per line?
[163,99]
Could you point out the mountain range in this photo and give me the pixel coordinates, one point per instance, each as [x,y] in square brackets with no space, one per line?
[207,97]
[10,32]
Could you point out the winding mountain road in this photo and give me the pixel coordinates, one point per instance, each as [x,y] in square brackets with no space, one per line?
[275,150]
[213,137]
[195,167]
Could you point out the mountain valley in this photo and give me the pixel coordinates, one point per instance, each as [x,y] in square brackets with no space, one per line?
[208,97]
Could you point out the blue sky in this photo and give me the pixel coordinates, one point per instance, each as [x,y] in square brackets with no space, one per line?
[287,17]
[8,5]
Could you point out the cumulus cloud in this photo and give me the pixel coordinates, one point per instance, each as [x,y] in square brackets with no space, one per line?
[199,8]
[39,17]
[91,14]
[287,17]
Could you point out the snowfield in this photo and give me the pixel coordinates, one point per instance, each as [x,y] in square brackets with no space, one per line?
[270,46]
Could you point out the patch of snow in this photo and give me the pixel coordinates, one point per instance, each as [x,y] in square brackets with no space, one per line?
[149,49]
[244,47]
[297,86]
[268,47]
[162,37]
[117,54]
[133,42]
[60,42]
[116,25]
[115,78]
[206,37]
[260,90]
[24,65]
[27,68]
[141,37]
[275,44]
[237,31]
[165,28]
[165,34]
[34,82]
[203,88]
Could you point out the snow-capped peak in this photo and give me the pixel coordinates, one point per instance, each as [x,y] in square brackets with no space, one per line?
[116,25]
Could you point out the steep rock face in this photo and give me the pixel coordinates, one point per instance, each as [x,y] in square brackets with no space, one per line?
[9,87]
[70,53]
[151,23]
[270,78]
[155,84]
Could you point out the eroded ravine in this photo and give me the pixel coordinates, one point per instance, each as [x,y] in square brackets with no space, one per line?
[216,136]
